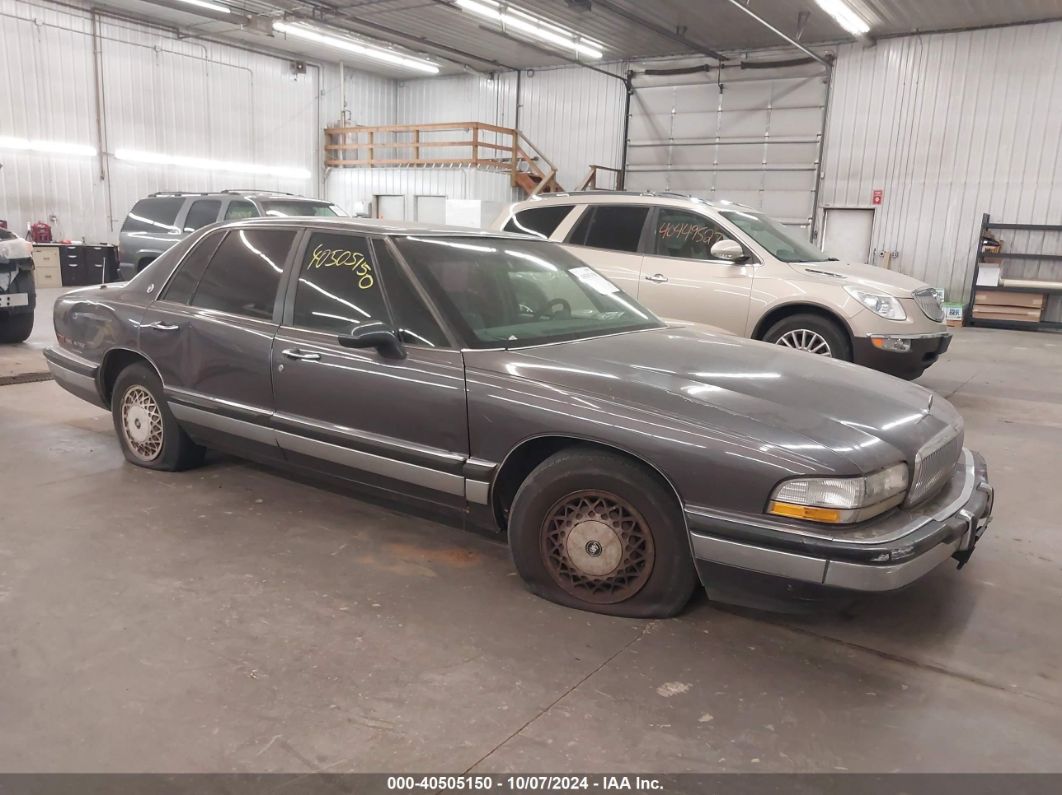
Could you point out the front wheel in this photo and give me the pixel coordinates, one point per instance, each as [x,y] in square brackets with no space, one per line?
[812,334]
[597,531]
[147,430]
[16,328]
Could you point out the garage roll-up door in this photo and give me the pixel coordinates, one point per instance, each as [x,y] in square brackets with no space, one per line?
[755,141]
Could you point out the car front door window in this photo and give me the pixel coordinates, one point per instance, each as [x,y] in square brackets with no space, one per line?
[685,235]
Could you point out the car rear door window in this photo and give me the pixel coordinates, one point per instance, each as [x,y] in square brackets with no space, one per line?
[414,321]
[190,271]
[244,273]
[539,221]
[238,210]
[154,214]
[615,227]
[687,235]
[338,286]
[203,212]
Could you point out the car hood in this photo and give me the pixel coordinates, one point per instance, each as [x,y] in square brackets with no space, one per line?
[804,403]
[867,276]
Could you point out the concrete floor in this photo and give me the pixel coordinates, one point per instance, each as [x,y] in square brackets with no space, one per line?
[230,619]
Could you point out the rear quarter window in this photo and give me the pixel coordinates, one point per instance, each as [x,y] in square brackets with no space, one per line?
[539,221]
[156,214]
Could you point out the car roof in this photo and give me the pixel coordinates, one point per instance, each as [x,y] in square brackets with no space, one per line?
[234,193]
[665,198]
[372,226]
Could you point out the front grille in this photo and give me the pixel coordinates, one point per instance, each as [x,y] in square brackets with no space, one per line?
[934,464]
[929,303]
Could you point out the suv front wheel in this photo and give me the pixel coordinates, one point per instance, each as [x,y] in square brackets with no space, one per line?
[811,333]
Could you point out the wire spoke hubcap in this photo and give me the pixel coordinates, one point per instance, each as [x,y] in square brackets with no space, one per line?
[142,423]
[597,547]
[803,339]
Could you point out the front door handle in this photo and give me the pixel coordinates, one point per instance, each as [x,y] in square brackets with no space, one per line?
[656,277]
[159,325]
[295,353]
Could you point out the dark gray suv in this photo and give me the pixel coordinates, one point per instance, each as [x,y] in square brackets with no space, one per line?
[160,220]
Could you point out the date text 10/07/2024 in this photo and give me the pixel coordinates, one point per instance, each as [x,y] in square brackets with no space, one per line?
[528,783]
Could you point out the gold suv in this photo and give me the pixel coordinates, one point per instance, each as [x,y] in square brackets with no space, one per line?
[733,267]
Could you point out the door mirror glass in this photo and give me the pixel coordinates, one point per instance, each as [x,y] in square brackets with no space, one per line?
[374,335]
[729,250]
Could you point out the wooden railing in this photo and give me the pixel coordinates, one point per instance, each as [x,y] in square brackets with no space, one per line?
[473,144]
[590,183]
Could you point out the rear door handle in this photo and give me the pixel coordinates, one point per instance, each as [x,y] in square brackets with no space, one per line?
[158,325]
[656,277]
[295,353]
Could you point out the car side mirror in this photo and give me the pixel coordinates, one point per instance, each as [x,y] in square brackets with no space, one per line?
[729,250]
[375,335]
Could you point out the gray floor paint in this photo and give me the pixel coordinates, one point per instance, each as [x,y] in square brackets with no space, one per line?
[229,619]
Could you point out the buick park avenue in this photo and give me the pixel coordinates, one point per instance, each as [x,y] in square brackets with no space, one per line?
[501,380]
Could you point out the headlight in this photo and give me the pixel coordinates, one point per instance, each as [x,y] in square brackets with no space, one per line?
[884,305]
[840,500]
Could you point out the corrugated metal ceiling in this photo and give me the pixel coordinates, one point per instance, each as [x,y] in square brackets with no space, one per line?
[627,28]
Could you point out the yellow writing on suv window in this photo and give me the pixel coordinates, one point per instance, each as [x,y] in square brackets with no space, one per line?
[693,232]
[341,258]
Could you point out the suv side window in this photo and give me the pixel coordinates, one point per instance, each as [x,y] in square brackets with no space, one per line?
[154,214]
[239,209]
[190,271]
[539,221]
[338,286]
[616,227]
[203,212]
[684,234]
[413,319]
[244,273]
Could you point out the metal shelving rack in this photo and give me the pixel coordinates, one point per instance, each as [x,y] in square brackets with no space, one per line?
[986,225]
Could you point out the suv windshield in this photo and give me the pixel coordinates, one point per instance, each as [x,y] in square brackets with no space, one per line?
[512,293]
[288,207]
[774,237]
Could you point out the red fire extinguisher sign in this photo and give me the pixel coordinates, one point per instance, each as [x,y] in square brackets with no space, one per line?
[877,196]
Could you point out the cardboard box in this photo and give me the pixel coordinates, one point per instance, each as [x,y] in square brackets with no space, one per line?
[1004,298]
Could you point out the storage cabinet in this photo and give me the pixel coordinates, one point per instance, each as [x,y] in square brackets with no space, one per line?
[74,265]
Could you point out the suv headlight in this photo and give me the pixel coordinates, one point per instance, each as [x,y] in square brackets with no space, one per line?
[840,500]
[884,305]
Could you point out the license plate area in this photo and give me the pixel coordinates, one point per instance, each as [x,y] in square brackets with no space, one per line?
[8,300]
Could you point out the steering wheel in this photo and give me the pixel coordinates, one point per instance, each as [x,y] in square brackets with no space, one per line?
[564,311]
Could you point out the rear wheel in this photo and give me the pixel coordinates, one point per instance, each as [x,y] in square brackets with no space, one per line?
[16,328]
[811,333]
[147,430]
[597,531]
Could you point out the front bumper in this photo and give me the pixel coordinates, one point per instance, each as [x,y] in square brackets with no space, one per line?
[878,351]
[881,555]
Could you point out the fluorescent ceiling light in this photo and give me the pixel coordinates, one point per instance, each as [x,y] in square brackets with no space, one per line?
[48,147]
[515,19]
[356,47]
[134,156]
[207,5]
[844,16]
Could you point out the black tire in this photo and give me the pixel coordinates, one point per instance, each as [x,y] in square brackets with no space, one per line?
[16,328]
[168,448]
[834,335]
[654,575]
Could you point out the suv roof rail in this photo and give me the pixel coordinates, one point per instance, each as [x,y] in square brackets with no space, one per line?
[256,191]
[175,193]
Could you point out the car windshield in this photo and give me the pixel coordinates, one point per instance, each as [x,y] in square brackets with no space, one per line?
[513,293]
[294,207]
[779,241]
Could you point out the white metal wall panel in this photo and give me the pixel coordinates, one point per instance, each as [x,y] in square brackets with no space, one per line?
[950,126]
[161,95]
[754,139]
[353,187]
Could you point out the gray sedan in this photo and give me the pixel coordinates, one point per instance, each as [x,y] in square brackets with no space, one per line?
[502,381]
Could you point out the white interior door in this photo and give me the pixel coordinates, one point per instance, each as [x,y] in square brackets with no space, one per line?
[846,233]
[391,208]
[431,209]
